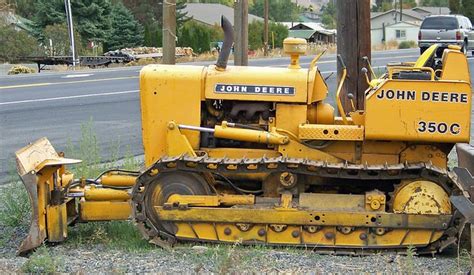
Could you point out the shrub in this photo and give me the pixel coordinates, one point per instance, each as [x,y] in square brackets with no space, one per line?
[15,209]
[16,44]
[59,35]
[41,262]
[256,39]
[20,69]
[407,44]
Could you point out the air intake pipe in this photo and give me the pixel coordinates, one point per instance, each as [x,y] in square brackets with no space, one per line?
[227,46]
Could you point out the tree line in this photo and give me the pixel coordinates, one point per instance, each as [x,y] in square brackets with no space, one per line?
[116,24]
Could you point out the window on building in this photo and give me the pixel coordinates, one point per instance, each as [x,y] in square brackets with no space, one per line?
[401,34]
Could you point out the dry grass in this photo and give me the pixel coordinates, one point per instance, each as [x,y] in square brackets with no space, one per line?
[390,45]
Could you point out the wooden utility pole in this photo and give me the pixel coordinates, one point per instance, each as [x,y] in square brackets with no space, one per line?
[265,28]
[241,30]
[353,43]
[169,31]
[401,10]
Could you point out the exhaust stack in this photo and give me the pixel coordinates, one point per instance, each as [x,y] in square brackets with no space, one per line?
[227,46]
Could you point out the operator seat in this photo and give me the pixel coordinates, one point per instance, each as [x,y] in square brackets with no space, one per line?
[426,60]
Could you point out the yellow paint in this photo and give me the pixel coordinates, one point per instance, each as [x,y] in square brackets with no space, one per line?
[455,66]
[177,144]
[104,210]
[294,47]
[331,132]
[401,120]
[298,114]
[266,137]
[421,62]
[317,87]
[424,153]
[169,93]
[297,150]
[56,222]
[106,194]
[199,200]
[421,197]
[118,180]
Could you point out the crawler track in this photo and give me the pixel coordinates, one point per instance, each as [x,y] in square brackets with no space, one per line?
[204,164]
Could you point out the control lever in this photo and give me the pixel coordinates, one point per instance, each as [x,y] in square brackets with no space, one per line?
[366,59]
[339,89]
[365,71]
[351,98]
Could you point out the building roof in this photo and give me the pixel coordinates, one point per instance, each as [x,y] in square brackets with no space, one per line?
[300,25]
[306,34]
[408,12]
[210,14]
[433,10]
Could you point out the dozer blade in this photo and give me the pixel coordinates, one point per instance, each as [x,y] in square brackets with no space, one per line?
[36,164]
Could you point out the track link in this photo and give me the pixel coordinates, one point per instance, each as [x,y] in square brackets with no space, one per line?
[204,164]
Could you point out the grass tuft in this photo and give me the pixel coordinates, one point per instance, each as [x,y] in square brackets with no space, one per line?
[87,150]
[121,235]
[41,262]
[408,265]
[15,209]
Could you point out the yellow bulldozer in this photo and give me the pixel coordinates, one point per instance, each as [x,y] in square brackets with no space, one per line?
[255,155]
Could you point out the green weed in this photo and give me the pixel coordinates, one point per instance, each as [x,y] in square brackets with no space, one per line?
[122,235]
[88,150]
[408,263]
[41,262]
[407,44]
[15,209]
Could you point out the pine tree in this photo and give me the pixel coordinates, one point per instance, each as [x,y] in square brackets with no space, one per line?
[91,17]
[468,9]
[279,10]
[455,6]
[126,31]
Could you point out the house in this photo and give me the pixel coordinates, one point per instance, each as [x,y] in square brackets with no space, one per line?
[388,26]
[312,32]
[210,14]
[402,31]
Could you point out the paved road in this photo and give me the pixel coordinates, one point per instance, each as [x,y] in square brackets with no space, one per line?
[56,104]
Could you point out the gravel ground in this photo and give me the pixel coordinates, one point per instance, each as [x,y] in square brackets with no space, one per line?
[71,257]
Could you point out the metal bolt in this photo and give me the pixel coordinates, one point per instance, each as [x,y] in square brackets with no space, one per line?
[375,204]
[261,232]
[171,126]
[227,231]
[329,235]
[363,236]
[295,234]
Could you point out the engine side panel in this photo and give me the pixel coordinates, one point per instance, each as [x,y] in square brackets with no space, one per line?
[412,110]
[169,93]
[257,84]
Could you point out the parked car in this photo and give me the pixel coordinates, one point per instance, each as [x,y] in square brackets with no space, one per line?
[446,30]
